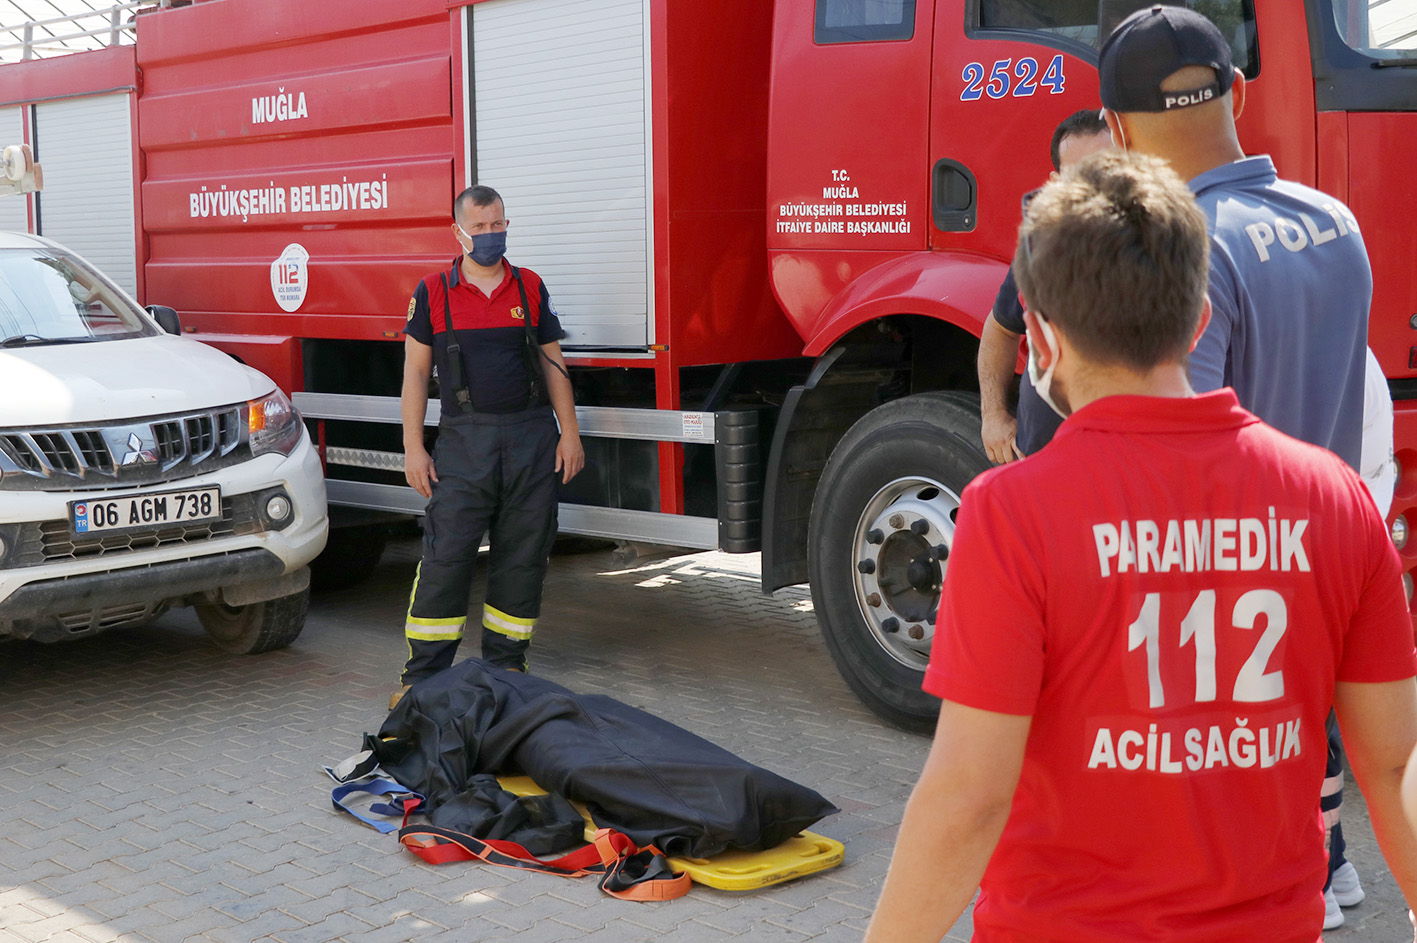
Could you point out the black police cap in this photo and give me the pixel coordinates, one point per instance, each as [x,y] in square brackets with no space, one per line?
[1152,44]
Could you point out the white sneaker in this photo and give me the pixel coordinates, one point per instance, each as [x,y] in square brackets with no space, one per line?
[1345,886]
[1333,916]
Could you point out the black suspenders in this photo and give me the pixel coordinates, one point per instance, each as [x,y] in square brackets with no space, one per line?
[452,353]
[537,395]
[452,357]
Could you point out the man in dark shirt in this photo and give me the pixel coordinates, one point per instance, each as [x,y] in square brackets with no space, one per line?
[1006,438]
[493,333]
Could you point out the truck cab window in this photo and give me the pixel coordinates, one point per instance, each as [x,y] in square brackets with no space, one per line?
[856,21]
[1068,23]
[1382,29]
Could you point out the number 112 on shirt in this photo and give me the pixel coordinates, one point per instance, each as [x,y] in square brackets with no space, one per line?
[1253,683]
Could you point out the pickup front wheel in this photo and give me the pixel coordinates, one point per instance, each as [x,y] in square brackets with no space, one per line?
[881,529]
[257,627]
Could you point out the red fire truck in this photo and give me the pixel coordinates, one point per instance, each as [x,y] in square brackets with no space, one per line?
[773,231]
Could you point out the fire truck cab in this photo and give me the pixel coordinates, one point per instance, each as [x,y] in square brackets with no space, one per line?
[896,202]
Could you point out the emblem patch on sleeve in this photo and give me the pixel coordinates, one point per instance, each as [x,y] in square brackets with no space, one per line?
[518,313]
[412,303]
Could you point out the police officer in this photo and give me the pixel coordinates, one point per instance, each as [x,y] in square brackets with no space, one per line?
[1290,284]
[493,332]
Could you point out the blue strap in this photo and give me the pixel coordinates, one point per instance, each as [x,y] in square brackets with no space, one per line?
[377,787]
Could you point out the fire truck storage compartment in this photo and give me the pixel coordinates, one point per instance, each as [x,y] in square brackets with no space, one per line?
[575,177]
[86,146]
[14,211]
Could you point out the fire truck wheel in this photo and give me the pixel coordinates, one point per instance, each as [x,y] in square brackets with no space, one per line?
[349,558]
[881,529]
[258,627]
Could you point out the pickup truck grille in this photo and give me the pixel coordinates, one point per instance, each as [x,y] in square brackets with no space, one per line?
[51,541]
[131,452]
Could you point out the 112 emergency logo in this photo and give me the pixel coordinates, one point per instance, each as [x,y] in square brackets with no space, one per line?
[290,277]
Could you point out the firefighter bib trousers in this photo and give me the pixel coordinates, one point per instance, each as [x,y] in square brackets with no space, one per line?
[496,476]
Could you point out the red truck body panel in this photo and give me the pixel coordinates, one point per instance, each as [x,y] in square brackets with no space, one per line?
[395,121]
[259,133]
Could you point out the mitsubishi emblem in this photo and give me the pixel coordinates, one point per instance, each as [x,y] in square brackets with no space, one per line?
[137,455]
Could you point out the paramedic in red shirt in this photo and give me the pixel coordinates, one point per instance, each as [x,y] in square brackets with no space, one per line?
[1135,679]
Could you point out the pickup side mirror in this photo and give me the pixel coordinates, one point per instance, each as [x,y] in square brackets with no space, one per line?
[166,318]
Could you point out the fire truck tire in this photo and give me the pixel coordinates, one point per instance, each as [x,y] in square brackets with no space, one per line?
[881,526]
[350,557]
[258,627]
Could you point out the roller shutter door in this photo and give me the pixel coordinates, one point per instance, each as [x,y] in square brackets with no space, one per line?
[86,147]
[14,216]
[559,92]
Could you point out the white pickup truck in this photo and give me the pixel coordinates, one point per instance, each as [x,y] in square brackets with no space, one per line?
[140,470]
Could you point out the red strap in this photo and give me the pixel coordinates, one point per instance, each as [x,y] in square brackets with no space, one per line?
[441,845]
[629,873]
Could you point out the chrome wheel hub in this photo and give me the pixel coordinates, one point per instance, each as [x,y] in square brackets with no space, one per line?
[902,546]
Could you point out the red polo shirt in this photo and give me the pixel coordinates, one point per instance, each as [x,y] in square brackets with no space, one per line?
[490,330]
[1171,590]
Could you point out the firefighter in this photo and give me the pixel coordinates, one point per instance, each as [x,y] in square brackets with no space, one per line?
[492,331]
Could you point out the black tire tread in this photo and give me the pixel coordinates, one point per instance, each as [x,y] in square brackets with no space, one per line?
[950,423]
[260,627]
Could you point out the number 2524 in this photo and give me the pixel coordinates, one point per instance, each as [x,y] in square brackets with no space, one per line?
[1022,78]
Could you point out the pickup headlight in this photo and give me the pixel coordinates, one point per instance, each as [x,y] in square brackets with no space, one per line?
[275,424]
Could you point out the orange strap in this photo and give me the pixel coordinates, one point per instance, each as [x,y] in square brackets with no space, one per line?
[637,873]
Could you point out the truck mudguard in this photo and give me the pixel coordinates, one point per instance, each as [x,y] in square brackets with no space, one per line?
[954,287]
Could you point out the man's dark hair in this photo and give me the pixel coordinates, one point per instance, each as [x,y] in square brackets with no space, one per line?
[1084,123]
[1116,253]
[475,196]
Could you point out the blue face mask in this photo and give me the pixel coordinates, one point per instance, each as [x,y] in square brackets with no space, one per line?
[487,248]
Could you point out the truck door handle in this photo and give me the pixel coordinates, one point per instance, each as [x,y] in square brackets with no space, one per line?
[954,196]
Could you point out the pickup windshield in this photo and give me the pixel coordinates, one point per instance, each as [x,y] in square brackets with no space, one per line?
[48,296]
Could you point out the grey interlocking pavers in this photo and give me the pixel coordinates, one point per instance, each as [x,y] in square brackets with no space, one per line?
[702,907]
[184,929]
[257,928]
[396,931]
[346,900]
[333,927]
[546,931]
[272,897]
[823,913]
[538,908]
[194,898]
[97,933]
[450,888]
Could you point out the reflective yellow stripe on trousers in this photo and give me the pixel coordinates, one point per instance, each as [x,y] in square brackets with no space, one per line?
[503,624]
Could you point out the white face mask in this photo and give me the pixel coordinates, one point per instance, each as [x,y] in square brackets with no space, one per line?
[1119,137]
[1042,380]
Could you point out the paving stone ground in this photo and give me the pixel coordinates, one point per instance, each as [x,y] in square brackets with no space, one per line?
[153,788]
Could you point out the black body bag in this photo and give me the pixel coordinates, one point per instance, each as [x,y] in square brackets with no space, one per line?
[640,775]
